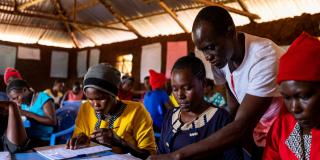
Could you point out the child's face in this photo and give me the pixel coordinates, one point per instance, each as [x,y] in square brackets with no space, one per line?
[187,89]
[20,96]
[100,101]
[302,99]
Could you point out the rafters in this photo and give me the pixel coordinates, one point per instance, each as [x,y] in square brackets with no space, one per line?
[244,8]
[67,25]
[173,14]
[230,9]
[55,18]
[119,17]
[29,4]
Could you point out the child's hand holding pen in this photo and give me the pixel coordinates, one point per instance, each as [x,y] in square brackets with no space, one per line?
[106,136]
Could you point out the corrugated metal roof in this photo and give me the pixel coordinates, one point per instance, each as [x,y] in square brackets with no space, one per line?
[40,22]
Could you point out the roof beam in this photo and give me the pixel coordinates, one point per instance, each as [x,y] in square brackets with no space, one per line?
[173,14]
[29,4]
[55,18]
[67,25]
[244,8]
[230,9]
[83,6]
[119,17]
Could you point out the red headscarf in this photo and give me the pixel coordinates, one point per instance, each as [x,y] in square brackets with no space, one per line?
[302,60]
[11,72]
[157,80]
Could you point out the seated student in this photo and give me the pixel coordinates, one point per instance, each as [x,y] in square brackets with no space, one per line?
[157,100]
[195,119]
[211,96]
[125,88]
[56,92]
[76,94]
[13,135]
[37,107]
[126,126]
[296,133]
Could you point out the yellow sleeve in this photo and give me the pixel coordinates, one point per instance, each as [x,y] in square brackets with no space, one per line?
[143,130]
[173,100]
[79,123]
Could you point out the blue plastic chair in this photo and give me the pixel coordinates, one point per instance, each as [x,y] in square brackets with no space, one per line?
[75,104]
[66,117]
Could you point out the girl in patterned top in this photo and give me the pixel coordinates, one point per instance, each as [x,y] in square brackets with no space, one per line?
[195,119]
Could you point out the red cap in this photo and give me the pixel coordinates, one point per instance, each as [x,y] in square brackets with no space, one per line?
[157,80]
[302,60]
[11,72]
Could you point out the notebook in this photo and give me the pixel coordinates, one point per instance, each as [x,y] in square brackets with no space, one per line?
[60,152]
[5,156]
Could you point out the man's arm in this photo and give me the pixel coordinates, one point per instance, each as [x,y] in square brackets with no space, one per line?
[248,115]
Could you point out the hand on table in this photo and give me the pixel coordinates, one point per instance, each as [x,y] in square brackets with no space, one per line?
[80,140]
[170,156]
[106,136]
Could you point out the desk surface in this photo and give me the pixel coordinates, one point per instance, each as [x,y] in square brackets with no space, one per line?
[37,156]
[32,155]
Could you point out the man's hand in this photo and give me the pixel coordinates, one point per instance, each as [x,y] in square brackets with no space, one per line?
[170,156]
[79,141]
[106,137]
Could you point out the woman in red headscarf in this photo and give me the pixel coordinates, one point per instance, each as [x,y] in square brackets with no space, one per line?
[296,134]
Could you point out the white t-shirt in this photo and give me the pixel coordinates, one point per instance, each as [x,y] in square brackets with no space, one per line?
[255,76]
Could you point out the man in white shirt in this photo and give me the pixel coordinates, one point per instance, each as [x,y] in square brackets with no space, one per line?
[247,65]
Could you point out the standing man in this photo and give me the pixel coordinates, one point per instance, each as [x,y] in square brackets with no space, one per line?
[247,65]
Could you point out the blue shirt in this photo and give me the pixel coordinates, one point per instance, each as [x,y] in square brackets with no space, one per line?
[36,129]
[175,134]
[154,102]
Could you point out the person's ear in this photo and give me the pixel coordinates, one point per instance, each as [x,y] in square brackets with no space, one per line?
[231,31]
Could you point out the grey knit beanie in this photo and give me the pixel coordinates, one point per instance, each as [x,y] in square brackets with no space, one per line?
[103,77]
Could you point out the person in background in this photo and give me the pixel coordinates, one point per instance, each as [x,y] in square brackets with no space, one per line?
[211,96]
[296,134]
[146,83]
[76,94]
[126,126]
[38,107]
[195,119]
[56,92]
[13,135]
[157,100]
[247,65]
[125,88]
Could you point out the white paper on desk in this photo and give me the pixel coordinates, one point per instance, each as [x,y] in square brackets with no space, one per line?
[5,156]
[117,157]
[63,153]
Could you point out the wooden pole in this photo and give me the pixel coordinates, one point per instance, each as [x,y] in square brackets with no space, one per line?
[165,7]
[230,9]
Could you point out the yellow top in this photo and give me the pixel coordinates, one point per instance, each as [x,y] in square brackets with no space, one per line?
[173,100]
[55,99]
[134,125]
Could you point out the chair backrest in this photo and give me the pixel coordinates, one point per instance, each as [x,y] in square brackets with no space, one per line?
[66,117]
[75,104]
